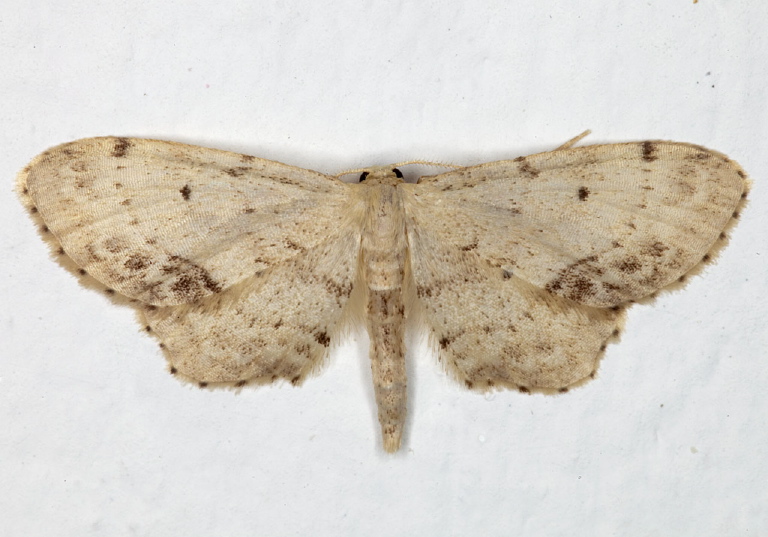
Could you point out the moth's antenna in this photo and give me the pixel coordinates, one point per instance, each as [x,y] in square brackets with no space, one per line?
[348,172]
[429,163]
[573,141]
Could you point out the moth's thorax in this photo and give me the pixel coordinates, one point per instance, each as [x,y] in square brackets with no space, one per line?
[383,239]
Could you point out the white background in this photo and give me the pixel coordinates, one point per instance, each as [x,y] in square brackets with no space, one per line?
[96,438]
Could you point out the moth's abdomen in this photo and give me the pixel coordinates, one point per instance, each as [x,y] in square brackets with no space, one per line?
[383,258]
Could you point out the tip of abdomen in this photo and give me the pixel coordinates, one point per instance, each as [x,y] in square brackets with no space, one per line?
[392,436]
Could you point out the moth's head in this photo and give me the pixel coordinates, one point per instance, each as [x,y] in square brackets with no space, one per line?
[381,175]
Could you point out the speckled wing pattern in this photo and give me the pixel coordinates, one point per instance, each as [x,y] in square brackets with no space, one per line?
[524,267]
[241,266]
[247,270]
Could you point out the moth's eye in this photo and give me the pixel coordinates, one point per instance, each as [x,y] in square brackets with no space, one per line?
[397,173]
[363,176]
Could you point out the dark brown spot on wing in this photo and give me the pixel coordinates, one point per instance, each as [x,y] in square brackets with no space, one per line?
[137,262]
[649,148]
[121,147]
[422,291]
[583,193]
[656,249]
[185,192]
[293,246]
[526,168]
[191,280]
[337,289]
[630,265]
[322,338]
[571,281]
[115,245]
[78,166]
[236,172]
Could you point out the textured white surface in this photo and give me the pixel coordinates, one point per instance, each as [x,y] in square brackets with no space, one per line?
[669,439]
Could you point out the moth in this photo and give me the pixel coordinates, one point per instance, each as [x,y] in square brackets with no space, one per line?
[248,270]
